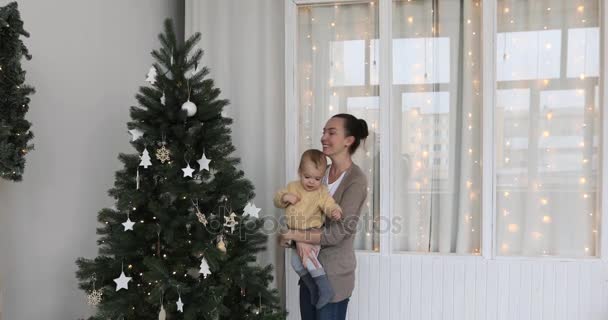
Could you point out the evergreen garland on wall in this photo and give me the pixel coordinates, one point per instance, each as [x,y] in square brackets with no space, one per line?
[15,133]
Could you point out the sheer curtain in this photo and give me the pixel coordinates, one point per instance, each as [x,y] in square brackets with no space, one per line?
[547,127]
[337,73]
[244,50]
[438,93]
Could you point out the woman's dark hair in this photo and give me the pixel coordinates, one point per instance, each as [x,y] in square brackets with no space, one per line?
[353,127]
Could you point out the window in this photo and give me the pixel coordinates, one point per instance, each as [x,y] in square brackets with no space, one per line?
[546,128]
[436,69]
[424,104]
[337,74]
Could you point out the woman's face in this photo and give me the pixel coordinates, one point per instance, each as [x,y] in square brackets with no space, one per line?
[334,140]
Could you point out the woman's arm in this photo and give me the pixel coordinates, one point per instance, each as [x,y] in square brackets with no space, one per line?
[312,236]
[305,250]
[351,203]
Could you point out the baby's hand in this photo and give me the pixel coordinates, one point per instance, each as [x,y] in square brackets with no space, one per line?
[290,198]
[336,214]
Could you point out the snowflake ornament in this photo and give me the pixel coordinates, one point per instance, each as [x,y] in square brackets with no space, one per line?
[162,154]
[94,298]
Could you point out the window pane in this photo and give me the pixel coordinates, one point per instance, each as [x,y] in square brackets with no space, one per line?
[436,68]
[547,128]
[409,65]
[583,52]
[335,66]
[347,60]
[540,59]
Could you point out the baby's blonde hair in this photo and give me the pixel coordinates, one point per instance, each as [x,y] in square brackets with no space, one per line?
[314,156]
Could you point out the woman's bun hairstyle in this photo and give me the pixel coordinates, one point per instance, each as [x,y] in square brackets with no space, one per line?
[354,127]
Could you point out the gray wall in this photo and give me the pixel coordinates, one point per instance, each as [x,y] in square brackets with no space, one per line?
[90,57]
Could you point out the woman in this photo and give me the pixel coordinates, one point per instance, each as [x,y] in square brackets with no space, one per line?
[346,182]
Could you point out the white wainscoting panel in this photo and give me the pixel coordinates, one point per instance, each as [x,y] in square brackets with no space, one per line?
[430,287]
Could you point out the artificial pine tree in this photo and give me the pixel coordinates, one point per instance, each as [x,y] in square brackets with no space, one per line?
[15,131]
[178,245]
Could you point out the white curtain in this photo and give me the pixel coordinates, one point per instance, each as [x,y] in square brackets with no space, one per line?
[437,91]
[337,73]
[436,65]
[547,127]
[244,49]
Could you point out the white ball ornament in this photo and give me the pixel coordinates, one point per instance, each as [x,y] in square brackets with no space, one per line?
[189,107]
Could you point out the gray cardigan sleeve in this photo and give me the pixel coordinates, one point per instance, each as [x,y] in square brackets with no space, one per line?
[352,201]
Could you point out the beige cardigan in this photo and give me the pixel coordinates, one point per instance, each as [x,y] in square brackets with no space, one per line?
[337,254]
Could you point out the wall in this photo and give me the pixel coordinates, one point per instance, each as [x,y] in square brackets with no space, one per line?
[427,287]
[90,57]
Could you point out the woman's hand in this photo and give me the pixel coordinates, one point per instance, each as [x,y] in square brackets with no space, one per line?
[307,251]
[284,240]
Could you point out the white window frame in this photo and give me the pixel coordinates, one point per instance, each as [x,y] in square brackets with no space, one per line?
[488,214]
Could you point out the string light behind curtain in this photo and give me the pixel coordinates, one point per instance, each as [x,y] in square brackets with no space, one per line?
[335,72]
[547,127]
[437,92]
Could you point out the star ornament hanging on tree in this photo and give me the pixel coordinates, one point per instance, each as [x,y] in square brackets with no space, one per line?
[251,210]
[136,134]
[180,305]
[188,171]
[122,282]
[128,224]
[203,162]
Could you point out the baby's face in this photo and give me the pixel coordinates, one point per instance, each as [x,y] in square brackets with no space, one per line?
[311,177]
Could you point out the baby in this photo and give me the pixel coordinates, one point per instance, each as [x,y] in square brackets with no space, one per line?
[308,201]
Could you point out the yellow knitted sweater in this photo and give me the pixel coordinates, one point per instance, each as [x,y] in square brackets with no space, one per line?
[308,212]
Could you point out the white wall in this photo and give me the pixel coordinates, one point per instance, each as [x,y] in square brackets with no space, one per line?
[90,57]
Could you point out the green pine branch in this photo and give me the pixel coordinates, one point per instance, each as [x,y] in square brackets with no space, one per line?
[15,134]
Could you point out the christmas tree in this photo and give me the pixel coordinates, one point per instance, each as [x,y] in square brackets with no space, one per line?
[181,242]
[14,100]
